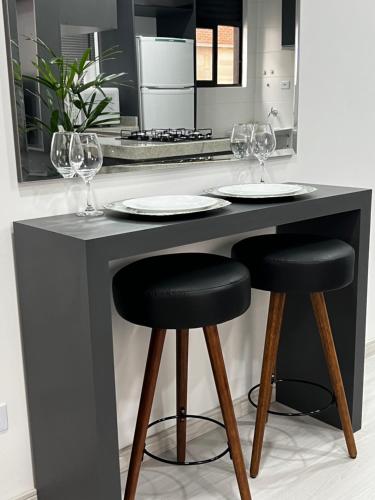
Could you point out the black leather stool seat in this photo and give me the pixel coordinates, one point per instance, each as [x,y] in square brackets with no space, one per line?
[184,290]
[296,263]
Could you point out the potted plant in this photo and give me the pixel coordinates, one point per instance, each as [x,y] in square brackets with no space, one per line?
[63,89]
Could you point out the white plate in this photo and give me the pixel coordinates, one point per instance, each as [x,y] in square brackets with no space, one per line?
[261,190]
[180,208]
[173,203]
[302,190]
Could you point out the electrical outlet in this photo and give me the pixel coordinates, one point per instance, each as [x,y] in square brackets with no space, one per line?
[3,418]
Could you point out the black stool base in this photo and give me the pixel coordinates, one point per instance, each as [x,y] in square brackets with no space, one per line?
[175,462]
[296,414]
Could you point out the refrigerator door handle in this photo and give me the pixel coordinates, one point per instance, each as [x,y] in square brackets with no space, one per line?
[167,87]
[167,90]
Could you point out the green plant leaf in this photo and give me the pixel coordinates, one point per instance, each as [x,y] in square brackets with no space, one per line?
[91,103]
[38,95]
[54,120]
[102,122]
[97,111]
[72,74]
[68,126]
[38,41]
[78,104]
[46,47]
[84,58]
[40,80]
[45,69]
[39,123]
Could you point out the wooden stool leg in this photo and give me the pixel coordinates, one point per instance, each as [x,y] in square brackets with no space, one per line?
[322,319]
[275,316]
[273,375]
[223,391]
[144,411]
[182,356]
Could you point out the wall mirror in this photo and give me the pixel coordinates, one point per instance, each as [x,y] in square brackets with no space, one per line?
[176,75]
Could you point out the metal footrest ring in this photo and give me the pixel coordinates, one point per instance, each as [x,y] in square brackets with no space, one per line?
[296,414]
[198,462]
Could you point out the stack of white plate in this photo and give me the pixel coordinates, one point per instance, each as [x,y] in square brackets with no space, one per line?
[261,191]
[163,206]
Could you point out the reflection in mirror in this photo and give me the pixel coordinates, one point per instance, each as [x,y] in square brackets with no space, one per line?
[160,81]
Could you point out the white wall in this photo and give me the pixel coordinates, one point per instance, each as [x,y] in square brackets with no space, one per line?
[335,146]
[274,65]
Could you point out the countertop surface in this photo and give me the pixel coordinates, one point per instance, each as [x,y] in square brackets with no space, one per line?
[241,213]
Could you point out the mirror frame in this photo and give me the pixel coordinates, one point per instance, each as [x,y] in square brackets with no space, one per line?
[12,89]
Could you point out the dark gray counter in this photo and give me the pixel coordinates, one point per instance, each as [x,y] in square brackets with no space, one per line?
[65,306]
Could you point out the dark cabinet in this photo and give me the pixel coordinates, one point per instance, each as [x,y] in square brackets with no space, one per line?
[157,7]
[288,23]
[174,18]
[87,16]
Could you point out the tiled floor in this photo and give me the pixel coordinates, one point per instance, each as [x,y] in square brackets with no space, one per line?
[302,460]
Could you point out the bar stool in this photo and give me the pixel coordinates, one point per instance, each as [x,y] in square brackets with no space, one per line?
[180,292]
[282,263]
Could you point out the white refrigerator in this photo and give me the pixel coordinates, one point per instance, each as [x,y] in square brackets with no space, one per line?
[166,82]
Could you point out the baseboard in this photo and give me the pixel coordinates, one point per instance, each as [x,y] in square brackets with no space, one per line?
[31,495]
[370,349]
[166,439]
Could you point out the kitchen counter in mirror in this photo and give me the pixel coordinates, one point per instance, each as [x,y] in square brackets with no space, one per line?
[137,151]
[127,154]
[115,166]
[65,304]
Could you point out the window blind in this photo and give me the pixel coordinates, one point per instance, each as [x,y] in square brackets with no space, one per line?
[73,46]
[215,12]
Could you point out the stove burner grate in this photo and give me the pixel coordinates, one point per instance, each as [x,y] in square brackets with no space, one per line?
[168,135]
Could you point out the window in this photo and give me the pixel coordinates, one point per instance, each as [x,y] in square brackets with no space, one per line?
[219,42]
[205,55]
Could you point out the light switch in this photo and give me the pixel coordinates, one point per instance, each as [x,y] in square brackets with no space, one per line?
[3,418]
[285,85]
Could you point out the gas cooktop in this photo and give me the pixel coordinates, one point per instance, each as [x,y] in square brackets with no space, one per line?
[168,135]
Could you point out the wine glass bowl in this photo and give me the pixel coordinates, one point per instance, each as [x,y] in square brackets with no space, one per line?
[263,144]
[59,154]
[240,140]
[86,158]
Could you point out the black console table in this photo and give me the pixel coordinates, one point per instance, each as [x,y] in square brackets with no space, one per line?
[65,307]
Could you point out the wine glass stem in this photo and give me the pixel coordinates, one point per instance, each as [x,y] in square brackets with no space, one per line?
[89,202]
[262,171]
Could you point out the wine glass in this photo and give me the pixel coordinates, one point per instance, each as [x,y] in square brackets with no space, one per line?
[86,158]
[263,144]
[240,140]
[59,154]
